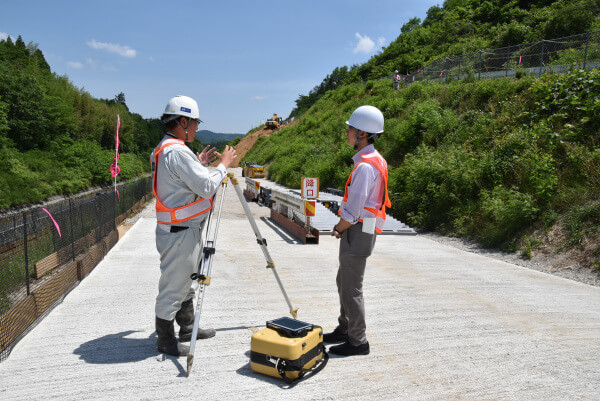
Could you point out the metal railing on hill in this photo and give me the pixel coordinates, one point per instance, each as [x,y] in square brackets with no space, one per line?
[45,251]
[562,54]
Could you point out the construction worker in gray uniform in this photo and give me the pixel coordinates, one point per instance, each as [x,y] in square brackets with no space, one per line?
[362,216]
[183,188]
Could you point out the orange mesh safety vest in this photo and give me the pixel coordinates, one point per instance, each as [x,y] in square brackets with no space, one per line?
[377,161]
[166,215]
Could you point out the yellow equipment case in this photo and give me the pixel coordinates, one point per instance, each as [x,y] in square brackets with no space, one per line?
[288,349]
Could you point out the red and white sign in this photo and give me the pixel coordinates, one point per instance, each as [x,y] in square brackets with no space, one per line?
[310,188]
[310,208]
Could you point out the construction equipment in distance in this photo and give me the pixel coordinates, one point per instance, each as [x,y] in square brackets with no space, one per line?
[274,122]
[252,170]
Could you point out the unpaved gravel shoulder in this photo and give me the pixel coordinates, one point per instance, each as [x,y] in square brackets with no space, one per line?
[572,271]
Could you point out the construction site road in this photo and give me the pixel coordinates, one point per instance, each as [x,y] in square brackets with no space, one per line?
[443,324]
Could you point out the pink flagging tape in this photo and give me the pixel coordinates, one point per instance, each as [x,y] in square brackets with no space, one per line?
[54,221]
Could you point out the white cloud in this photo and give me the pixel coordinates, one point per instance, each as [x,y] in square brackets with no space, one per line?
[75,65]
[259,97]
[124,51]
[365,44]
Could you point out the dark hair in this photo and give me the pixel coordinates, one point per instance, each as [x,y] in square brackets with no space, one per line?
[169,121]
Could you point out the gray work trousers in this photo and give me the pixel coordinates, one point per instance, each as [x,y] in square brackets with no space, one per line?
[180,254]
[355,248]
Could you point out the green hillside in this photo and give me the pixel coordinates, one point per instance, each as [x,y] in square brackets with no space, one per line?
[511,163]
[56,138]
[464,26]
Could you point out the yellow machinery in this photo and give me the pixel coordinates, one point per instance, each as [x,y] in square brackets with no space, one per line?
[252,170]
[274,122]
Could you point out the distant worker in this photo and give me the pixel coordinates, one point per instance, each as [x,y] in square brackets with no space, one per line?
[183,188]
[396,80]
[362,216]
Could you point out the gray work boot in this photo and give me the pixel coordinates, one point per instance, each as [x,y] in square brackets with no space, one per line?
[167,342]
[185,320]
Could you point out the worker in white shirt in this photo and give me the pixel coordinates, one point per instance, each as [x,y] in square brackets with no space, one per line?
[396,80]
[362,216]
[183,188]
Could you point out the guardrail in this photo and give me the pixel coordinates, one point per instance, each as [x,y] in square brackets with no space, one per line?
[286,209]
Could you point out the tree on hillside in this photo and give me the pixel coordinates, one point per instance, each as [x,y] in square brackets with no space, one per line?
[463,26]
[120,99]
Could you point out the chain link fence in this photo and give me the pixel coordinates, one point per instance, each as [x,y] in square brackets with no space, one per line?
[557,55]
[45,251]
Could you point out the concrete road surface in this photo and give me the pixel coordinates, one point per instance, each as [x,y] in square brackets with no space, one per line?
[443,324]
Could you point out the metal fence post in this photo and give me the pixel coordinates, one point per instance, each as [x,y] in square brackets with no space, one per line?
[25,249]
[587,42]
[114,216]
[507,61]
[542,58]
[99,217]
[72,233]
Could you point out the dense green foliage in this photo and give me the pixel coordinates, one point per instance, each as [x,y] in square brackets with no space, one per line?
[486,159]
[464,26]
[57,139]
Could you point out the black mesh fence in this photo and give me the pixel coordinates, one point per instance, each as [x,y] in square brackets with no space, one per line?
[557,55]
[45,250]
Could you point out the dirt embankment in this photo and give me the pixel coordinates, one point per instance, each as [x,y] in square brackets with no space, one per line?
[247,142]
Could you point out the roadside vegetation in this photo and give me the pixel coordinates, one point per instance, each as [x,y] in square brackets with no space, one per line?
[464,26]
[503,162]
[512,163]
[57,139]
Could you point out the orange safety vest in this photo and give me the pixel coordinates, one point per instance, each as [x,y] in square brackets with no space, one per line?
[376,160]
[166,215]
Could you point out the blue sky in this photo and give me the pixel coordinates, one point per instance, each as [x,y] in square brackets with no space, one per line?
[241,60]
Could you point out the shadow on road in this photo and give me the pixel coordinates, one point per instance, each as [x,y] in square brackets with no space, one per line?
[247,371]
[117,348]
[279,231]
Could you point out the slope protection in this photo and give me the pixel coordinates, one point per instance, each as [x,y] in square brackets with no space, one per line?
[503,161]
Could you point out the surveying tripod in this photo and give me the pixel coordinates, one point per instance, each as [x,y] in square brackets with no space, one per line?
[208,250]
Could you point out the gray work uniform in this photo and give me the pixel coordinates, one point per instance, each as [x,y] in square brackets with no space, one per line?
[181,180]
[366,189]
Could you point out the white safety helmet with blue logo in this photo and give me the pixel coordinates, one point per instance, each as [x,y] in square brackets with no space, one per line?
[181,106]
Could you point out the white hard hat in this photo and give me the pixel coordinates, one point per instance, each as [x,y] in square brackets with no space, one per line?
[396,71]
[368,119]
[182,106]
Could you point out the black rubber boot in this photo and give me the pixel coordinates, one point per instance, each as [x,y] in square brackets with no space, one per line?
[185,320]
[167,342]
